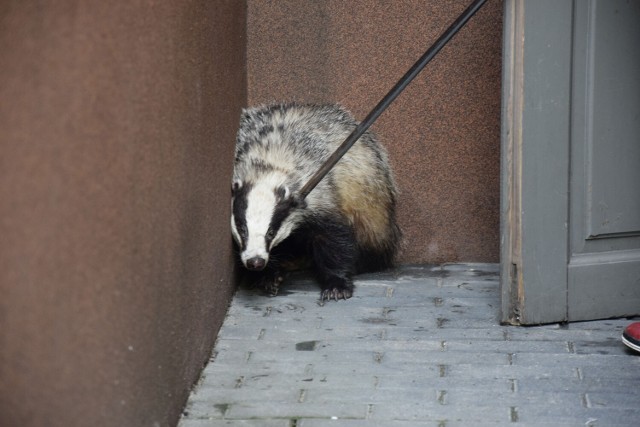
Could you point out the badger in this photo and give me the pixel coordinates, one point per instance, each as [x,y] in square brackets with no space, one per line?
[346,225]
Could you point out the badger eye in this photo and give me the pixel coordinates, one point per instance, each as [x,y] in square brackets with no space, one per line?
[270,234]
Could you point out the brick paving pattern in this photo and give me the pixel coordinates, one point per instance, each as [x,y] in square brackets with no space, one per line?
[416,346]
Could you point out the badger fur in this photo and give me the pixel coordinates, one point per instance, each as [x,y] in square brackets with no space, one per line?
[346,225]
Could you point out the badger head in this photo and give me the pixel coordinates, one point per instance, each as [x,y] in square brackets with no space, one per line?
[263,215]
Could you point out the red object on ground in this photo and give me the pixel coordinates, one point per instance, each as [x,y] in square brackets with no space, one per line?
[631,336]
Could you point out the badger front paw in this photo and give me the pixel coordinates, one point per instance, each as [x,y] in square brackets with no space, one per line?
[271,283]
[337,288]
[335,294]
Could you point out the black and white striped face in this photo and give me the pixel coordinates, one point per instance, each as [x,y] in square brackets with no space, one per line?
[261,218]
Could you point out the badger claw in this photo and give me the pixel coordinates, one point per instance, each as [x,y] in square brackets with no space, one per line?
[271,284]
[274,286]
[335,294]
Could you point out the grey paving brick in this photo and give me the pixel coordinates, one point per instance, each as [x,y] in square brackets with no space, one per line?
[617,400]
[555,333]
[577,360]
[607,346]
[405,358]
[506,347]
[434,411]
[364,423]
[235,423]
[511,371]
[577,385]
[421,333]
[244,394]
[570,416]
[255,383]
[417,346]
[413,423]
[433,381]
[609,371]
[267,410]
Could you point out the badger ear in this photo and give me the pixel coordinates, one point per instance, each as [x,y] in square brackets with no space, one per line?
[235,186]
[283,193]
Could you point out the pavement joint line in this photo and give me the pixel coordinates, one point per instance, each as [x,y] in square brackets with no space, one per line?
[369,411]
[442,369]
[585,400]
[513,415]
[442,397]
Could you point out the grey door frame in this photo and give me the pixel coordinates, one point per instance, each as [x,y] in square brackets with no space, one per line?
[543,272]
[535,108]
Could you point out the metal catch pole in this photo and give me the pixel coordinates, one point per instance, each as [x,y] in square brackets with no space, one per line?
[390,97]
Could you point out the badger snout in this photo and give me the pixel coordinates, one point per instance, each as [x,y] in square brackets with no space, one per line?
[256,263]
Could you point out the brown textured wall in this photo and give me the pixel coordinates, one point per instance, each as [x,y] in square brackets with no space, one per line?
[442,132]
[117,122]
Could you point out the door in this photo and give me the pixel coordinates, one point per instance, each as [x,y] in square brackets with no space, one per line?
[571,160]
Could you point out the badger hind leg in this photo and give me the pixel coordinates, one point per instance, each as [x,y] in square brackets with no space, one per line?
[334,256]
